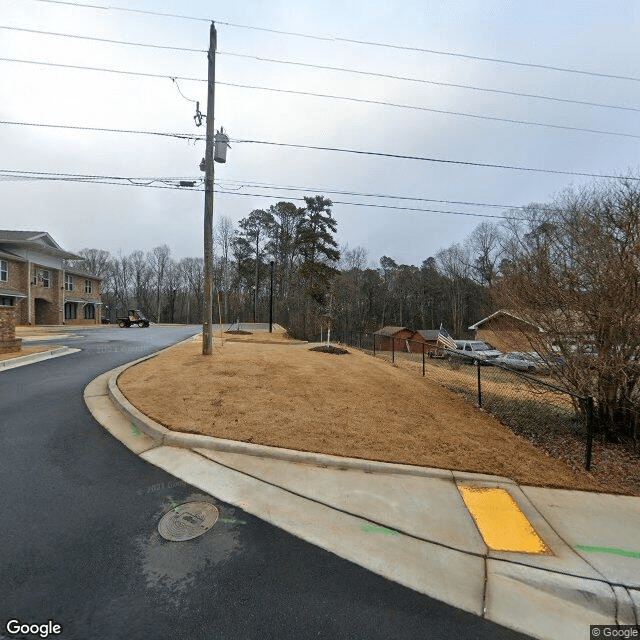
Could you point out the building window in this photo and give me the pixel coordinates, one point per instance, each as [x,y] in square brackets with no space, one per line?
[6,302]
[44,279]
[88,286]
[70,310]
[4,270]
[89,312]
[68,282]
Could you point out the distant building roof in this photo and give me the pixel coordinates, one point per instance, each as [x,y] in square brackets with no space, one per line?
[503,312]
[429,334]
[391,331]
[80,272]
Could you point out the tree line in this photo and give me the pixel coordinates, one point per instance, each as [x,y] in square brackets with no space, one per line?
[571,268]
[316,283]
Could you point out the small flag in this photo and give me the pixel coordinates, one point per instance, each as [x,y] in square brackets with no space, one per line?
[444,338]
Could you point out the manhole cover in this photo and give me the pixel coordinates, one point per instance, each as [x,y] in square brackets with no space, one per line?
[188,520]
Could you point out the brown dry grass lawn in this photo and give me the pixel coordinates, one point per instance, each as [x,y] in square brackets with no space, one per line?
[273,391]
[25,351]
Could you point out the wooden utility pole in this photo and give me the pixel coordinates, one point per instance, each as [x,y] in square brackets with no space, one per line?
[207,321]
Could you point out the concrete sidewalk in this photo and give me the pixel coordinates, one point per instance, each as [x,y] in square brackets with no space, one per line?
[32,358]
[412,524]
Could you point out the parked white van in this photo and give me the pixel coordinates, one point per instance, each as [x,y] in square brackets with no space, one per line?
[477,349]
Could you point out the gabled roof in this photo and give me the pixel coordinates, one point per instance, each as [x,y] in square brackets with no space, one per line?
[504,312]
[391,331]
[38,240]
[429,334]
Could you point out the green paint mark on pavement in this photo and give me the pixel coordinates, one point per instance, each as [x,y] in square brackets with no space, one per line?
[134,429]
[371,528]
[173,504]
[612,550]
[232,520]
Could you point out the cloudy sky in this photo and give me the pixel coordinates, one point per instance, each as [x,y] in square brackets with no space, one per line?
[597,37]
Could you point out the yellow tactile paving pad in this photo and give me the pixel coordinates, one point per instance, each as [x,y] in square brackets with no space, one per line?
[501,523]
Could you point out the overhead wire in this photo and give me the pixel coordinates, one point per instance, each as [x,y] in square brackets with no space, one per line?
[326,96]
[166,183]
[266,185]
[370,43]
[189,136]
[165,134]
[361,72]
[429,159]
[242,184]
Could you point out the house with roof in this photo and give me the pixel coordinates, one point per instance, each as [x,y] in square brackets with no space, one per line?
[41,289]
[507,331]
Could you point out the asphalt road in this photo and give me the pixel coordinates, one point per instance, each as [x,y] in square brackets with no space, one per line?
[80,545]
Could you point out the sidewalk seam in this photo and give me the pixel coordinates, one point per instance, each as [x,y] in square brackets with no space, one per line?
[604,579]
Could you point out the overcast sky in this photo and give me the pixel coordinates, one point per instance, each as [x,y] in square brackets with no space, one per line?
[599,37]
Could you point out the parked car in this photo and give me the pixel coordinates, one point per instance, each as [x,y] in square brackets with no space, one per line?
[478,350]
[524,361]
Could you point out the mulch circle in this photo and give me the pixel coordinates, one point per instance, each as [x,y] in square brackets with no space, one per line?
[330,349]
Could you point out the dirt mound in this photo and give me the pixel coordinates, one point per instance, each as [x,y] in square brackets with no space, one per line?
[330,349]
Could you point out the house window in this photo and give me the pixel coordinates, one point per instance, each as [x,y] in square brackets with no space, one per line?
[4,271]
[88,286]
[70,310]
[6,302]
[89,311]
[68,282]
[44,279]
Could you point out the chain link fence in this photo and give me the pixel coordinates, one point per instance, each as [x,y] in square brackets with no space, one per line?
[529,403]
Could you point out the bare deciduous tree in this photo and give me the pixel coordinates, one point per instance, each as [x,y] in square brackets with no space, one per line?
[574,271]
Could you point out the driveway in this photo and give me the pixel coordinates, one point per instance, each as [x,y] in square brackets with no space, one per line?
[80,545]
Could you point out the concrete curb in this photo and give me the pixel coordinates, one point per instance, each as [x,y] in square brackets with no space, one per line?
[164,436]
[167,437]
[514,593]
[32,358]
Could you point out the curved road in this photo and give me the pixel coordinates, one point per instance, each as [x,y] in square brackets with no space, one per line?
[80,544]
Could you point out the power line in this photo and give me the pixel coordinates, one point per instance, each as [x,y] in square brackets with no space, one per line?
[266,185]
[326,96]
[105,40]
[189,136]
[165,183]
[369,43]
[432,110]
[123,72]
[391,76]
[141,11]
[166,134]
[255,184]
[361,72]
[427,159]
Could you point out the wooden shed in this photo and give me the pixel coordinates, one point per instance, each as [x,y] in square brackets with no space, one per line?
[399,339]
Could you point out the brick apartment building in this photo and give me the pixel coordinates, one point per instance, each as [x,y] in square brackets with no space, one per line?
[34,280]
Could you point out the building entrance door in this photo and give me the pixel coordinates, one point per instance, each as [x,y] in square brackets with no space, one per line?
[41,308]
